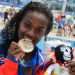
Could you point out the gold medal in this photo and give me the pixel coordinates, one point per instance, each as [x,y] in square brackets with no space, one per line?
[26,45]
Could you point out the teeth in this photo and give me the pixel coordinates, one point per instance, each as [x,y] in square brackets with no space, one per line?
[26,45]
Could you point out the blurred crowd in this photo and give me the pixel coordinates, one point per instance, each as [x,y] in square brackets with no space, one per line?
[64,27]
[23,26]
[8,14]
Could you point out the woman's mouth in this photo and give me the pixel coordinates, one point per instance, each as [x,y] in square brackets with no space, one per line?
[26,45]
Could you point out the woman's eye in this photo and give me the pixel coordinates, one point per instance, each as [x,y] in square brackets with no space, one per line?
[27,25]
[40,29]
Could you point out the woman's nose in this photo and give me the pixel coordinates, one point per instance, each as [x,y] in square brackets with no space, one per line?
[31,34]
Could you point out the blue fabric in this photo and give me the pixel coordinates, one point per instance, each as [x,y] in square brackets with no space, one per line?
[33,62]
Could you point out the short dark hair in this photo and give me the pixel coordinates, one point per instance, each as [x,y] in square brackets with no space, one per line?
[10,31]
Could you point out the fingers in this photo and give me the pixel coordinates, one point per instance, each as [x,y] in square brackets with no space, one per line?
[71,67]
[67,63]
[19,55]
[14,49]
[70,64]
[13,46]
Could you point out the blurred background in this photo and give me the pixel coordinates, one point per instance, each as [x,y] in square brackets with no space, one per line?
[63,31]
[9,8]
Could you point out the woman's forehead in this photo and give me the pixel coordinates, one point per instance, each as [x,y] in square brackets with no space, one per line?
[36,17]
[35,14]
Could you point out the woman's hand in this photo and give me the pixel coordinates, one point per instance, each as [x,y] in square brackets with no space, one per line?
[15,50]
[71,67]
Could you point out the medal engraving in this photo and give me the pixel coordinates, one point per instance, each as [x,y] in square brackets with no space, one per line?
[26,45]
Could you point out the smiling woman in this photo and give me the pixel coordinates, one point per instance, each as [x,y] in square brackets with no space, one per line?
[27,27]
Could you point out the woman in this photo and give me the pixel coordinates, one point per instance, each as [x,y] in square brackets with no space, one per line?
[32,22]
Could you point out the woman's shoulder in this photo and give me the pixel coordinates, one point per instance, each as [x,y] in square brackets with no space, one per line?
[8,67]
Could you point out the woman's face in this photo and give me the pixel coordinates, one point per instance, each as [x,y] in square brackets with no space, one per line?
[33,26]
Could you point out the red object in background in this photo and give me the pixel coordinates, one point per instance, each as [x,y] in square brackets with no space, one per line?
[40,72]
[58,18]
[42,68]
[9,68]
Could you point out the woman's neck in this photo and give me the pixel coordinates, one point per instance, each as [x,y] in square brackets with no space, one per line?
[29,55]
